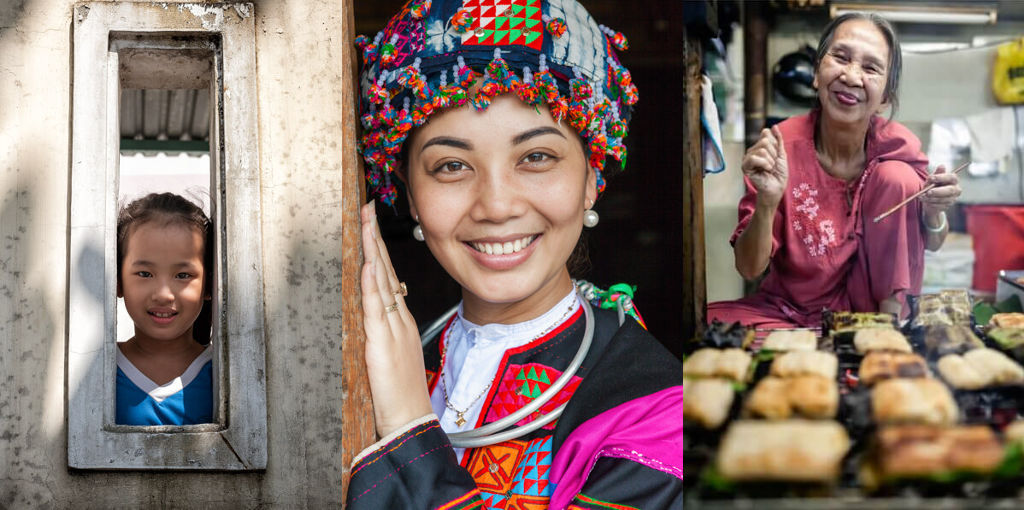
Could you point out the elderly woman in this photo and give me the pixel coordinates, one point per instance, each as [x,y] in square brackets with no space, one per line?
[816,182]
[498,117]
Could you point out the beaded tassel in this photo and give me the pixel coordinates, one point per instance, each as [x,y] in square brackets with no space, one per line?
[524,89]
[617,39]
[370,48]
[387,52]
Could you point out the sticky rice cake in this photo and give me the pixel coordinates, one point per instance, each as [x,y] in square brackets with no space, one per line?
[880,339]
[949,307]
[926,401]
[810,396]
[707,401]
[943,340]
[789,450]
[1007,320]
[795,363]
[880,365]
[790,340]
[922,450]
[731,364]
[979,368]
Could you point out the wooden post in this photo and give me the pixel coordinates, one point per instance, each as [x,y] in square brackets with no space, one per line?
[755,70]
[358,429]
[755,85]
[694,281]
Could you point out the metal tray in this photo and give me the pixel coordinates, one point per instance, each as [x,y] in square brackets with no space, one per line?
[1006,286]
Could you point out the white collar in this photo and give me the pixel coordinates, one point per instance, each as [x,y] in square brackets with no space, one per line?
[161,392]
[514,335]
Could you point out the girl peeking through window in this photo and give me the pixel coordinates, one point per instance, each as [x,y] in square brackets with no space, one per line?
[164,268]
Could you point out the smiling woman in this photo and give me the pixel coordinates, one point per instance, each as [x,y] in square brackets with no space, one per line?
[530,397]
[500,195]
[816,181]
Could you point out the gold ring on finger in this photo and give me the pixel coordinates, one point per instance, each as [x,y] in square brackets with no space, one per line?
[393,307]
[402,290]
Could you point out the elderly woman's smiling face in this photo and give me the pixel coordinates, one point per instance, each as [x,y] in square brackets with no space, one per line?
[851,76]
[500,195]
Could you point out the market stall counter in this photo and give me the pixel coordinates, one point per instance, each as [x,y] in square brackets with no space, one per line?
[864,412]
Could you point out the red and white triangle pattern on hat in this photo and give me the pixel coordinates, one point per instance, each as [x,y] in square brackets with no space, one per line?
[484,13]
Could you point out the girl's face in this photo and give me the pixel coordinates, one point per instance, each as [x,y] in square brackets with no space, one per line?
[852,74]
[500,195]
[162,280]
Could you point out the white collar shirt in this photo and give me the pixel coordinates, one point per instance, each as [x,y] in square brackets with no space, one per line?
[473,354]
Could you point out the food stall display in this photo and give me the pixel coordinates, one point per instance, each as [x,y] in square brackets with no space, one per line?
[860,413]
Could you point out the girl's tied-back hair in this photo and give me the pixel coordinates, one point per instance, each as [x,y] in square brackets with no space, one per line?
[545,52]
[891,94]
[171,209]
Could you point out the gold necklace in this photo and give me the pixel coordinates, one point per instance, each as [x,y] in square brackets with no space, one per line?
[460,418]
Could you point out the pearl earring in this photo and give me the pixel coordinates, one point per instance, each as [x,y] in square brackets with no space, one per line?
[417,231]
[590,218]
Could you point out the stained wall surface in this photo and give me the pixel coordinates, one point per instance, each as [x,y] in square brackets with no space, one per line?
[302,51]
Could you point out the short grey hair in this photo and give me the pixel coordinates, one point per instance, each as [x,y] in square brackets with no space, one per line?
[892,82]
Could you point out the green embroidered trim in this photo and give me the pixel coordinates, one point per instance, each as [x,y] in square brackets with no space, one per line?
[583,498]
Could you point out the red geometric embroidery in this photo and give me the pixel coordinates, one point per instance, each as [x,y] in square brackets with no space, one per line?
[494,467]
[523,383]
[504,22]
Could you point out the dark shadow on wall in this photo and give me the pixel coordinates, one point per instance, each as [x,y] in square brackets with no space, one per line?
[26,363]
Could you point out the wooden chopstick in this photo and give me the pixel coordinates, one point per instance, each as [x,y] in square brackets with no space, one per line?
[924,190]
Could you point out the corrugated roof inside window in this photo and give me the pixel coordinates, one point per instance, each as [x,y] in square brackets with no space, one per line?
[165,121]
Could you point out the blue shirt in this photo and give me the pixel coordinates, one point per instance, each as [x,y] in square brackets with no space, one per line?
[186,400]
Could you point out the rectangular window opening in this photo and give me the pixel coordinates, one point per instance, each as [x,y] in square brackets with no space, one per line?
[167,107]
[150,114]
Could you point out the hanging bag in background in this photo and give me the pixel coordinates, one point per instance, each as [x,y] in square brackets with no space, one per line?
[1008,73]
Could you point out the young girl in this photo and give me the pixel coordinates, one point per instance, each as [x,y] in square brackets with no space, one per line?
[164,372]
[532,397]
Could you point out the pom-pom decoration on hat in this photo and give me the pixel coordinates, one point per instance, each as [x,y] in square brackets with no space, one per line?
[433,52]
[556,26]
[419,8]
[461,20]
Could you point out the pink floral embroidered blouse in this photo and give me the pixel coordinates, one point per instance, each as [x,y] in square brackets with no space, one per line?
[826,251]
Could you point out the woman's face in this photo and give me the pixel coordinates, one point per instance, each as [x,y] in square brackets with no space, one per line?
[852,74]
[500,195]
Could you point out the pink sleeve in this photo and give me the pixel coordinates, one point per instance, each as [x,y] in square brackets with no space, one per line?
[746,212]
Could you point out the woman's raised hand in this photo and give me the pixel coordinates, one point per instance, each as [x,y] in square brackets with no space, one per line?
[943,195]
[766,167]
[394,357]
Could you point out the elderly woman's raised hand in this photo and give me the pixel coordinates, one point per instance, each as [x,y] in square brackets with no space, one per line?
[766,167]
[943,196]
[394,357]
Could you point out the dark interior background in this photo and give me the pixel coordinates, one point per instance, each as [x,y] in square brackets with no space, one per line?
[639,238]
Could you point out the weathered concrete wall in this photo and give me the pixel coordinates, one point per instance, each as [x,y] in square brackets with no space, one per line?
[301,57]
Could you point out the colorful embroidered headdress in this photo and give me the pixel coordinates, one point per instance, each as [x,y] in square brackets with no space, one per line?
[544,51]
